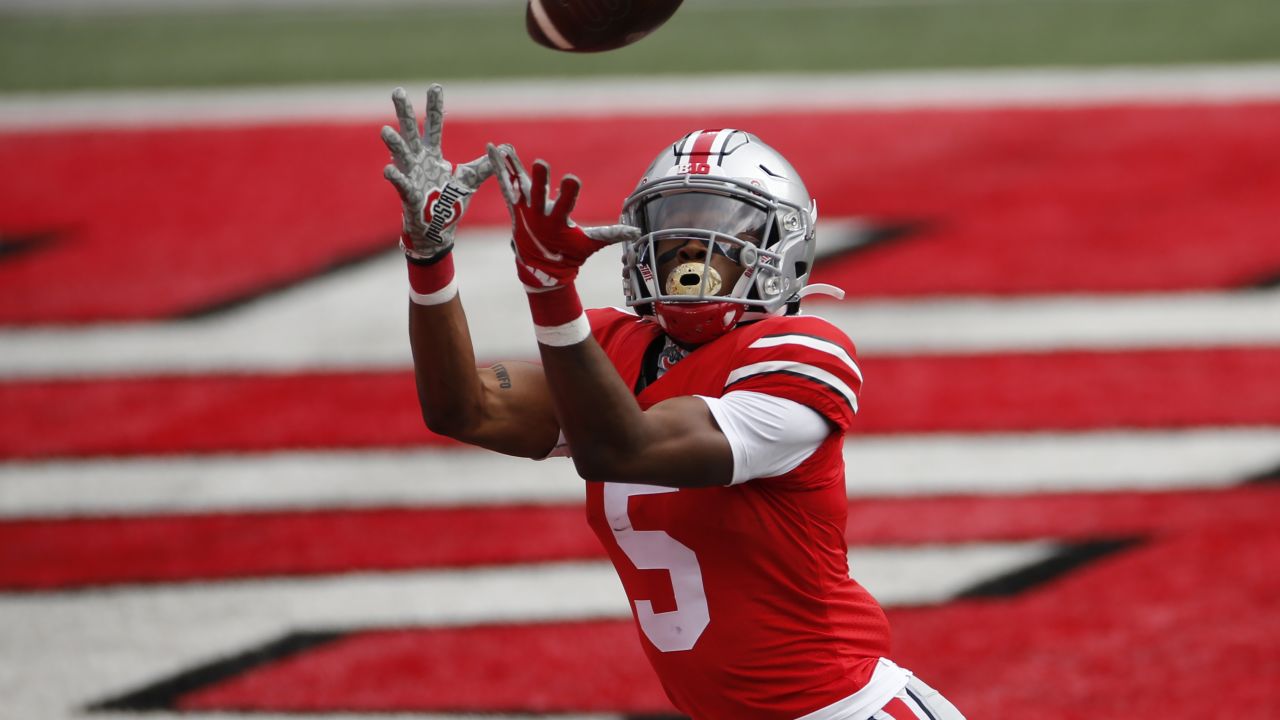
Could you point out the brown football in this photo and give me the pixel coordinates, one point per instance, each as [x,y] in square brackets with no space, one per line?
[595,25]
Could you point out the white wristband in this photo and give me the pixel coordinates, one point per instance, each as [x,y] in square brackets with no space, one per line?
[439,297]
[570,333]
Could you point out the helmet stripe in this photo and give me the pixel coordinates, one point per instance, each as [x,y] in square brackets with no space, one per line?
[721,142]
[685,144]
[708,146]
[701,151]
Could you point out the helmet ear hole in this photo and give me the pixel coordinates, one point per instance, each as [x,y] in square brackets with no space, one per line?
[802,267]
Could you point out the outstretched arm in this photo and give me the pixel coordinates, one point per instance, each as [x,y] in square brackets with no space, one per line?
[507,407]
[674,443]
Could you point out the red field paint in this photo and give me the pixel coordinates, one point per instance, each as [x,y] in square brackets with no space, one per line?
[965,393]
[210,414]
[157,223]
[559,667]
[1179,627]
[71,553]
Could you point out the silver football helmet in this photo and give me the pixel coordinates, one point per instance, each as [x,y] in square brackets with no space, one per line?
[741,199]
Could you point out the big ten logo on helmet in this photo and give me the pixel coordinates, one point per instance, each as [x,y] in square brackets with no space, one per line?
[443,208]
[693,168]
[597,14]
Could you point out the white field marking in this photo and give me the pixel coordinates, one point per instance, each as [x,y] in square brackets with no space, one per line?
[642,96]
[81,647]
[1056,323]
[879,466]
[365,309]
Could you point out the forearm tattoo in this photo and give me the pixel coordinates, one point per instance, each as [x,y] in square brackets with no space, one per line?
[504,377]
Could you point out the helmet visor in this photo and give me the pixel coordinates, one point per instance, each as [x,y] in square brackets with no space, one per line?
[708,213]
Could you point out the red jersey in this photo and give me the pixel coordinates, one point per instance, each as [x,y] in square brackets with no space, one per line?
[742,594]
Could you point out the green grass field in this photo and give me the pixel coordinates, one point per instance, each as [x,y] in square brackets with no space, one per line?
[58,51]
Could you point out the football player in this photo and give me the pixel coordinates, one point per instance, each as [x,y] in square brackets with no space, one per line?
[708,420]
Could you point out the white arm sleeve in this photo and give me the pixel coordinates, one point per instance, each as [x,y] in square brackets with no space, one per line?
[769,435]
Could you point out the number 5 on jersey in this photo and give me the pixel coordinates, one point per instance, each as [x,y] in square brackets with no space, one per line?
[677,629]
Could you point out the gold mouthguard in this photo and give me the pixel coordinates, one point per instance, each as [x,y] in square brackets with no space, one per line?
[686,279]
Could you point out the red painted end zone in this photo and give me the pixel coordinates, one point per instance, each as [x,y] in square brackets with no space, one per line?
[561,667]
[161,222]
[70,553]
[978,393]
[1180,627]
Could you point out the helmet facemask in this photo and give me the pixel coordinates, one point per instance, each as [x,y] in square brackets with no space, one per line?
[713,252]
[745,206]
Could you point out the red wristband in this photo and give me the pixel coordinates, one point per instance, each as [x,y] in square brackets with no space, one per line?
[555,307]
[432,283]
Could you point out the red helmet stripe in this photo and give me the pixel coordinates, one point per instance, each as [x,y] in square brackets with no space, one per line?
[702,146]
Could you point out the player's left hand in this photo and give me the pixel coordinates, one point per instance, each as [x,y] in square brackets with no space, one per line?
[549,246]
[434,194]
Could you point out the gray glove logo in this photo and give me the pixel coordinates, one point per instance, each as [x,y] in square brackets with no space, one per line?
[434,193]
[443,211]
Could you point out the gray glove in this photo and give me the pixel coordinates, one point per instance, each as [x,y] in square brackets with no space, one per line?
[434,194]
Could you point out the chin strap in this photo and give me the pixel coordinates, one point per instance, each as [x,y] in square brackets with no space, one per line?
[821,289]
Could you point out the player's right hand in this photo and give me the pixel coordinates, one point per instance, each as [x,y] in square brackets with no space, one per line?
[549,246]
[433,193]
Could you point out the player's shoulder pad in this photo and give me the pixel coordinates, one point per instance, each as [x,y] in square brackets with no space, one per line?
[799,325]
[799,356]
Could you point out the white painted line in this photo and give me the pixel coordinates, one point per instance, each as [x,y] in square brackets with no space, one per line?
[365,309]
[880,466]
[285,480]
[81,647]
[997,463]
[646,96]
[1052,323]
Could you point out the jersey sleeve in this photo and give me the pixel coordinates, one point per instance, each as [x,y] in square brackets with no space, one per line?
[811,363]
[768,435]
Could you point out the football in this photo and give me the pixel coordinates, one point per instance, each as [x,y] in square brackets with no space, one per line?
[595,25]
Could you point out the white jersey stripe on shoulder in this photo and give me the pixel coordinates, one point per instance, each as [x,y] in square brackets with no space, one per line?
[794,368]
[814,343]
